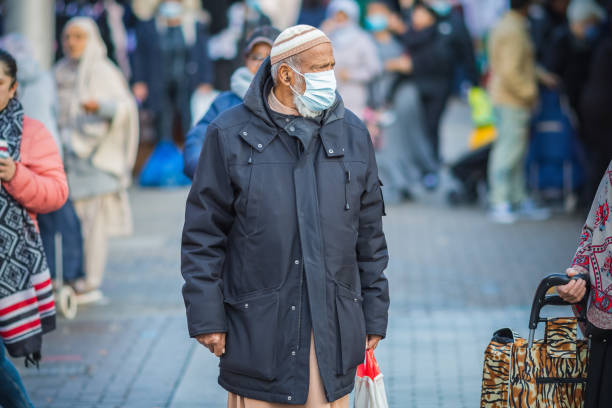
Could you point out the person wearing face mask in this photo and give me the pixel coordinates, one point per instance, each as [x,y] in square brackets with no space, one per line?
[283,252]
[257,50]
[170,63]
[355,51]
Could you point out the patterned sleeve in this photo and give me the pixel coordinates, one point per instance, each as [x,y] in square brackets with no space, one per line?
[597,224]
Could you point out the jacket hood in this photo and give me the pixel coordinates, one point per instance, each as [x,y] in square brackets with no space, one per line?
[256,97]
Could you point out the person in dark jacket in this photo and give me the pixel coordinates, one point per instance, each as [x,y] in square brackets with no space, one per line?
[257,50]
[595,105]
[283,252]
[570,51]
[170,62]
[429,62]
[451,21]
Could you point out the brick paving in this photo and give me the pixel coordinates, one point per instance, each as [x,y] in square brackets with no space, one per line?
[455,279]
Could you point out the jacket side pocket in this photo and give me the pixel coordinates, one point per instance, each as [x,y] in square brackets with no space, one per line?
[249,348]
[351,329]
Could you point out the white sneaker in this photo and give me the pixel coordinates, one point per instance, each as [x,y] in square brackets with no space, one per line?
[528,209]
[502,214]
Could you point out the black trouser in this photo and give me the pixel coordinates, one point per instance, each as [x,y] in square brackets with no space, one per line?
[434,102]
[599,390]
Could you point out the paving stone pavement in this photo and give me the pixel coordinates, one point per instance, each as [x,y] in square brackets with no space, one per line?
[455,278]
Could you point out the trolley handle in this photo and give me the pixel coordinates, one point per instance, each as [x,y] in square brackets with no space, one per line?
[541,299]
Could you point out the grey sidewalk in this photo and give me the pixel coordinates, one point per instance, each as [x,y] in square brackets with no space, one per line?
[455,278]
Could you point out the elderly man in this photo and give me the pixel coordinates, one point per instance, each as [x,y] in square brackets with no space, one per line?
[283,250]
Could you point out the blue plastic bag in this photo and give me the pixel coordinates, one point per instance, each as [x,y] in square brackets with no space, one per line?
[164,167]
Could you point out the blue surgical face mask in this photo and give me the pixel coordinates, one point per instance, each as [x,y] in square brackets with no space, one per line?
[170,9]
[320,93]
[376,22]
[441,7]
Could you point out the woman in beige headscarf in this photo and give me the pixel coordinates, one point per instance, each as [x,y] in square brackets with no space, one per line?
[97,117]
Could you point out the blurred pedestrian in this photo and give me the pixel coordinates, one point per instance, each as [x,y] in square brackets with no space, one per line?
[595,103]
[225,47]
[429,61]
[450,19]
[33,181]
[514,92]
[98,124]
[257,50]
[283,252]
[404,153]
[594,258]
[549,17]
[357,61]
[109,15]
[570,50]
[170,62]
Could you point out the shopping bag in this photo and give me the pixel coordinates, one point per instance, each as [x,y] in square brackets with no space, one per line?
[537,373]
[369,385]
[482,108]
[482,136]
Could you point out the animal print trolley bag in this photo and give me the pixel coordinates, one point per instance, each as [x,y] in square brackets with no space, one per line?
[548,373]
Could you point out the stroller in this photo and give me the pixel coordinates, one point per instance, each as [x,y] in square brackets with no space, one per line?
[60,232]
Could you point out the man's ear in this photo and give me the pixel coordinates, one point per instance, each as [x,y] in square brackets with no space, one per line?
[286,75]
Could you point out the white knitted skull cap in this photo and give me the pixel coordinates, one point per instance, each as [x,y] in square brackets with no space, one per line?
[294,40]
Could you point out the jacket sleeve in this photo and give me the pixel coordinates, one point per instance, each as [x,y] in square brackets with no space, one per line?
[372,255]
[39,183]
[208,219]
[195,140]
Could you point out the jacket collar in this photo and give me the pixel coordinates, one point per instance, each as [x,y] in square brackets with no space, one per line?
[332,129]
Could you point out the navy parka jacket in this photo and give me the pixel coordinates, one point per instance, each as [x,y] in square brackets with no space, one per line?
[281,240]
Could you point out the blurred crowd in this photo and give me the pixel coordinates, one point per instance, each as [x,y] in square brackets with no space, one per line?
[136,84]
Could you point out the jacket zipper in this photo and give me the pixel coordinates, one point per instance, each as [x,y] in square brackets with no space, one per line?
[299,333]
[554,380]
[347,183]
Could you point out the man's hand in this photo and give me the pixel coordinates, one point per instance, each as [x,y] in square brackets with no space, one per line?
[215,342]
[7,169]
[574,291]
[372,341]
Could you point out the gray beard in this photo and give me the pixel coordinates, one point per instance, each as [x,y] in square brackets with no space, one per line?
[303,110]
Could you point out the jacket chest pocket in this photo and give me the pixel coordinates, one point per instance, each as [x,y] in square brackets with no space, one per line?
[250,347]
[341,184]
[351,329]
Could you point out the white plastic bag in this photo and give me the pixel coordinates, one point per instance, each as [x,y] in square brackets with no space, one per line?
[369,385]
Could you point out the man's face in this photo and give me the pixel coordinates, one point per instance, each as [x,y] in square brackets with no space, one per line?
[317,59]
[258,54]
